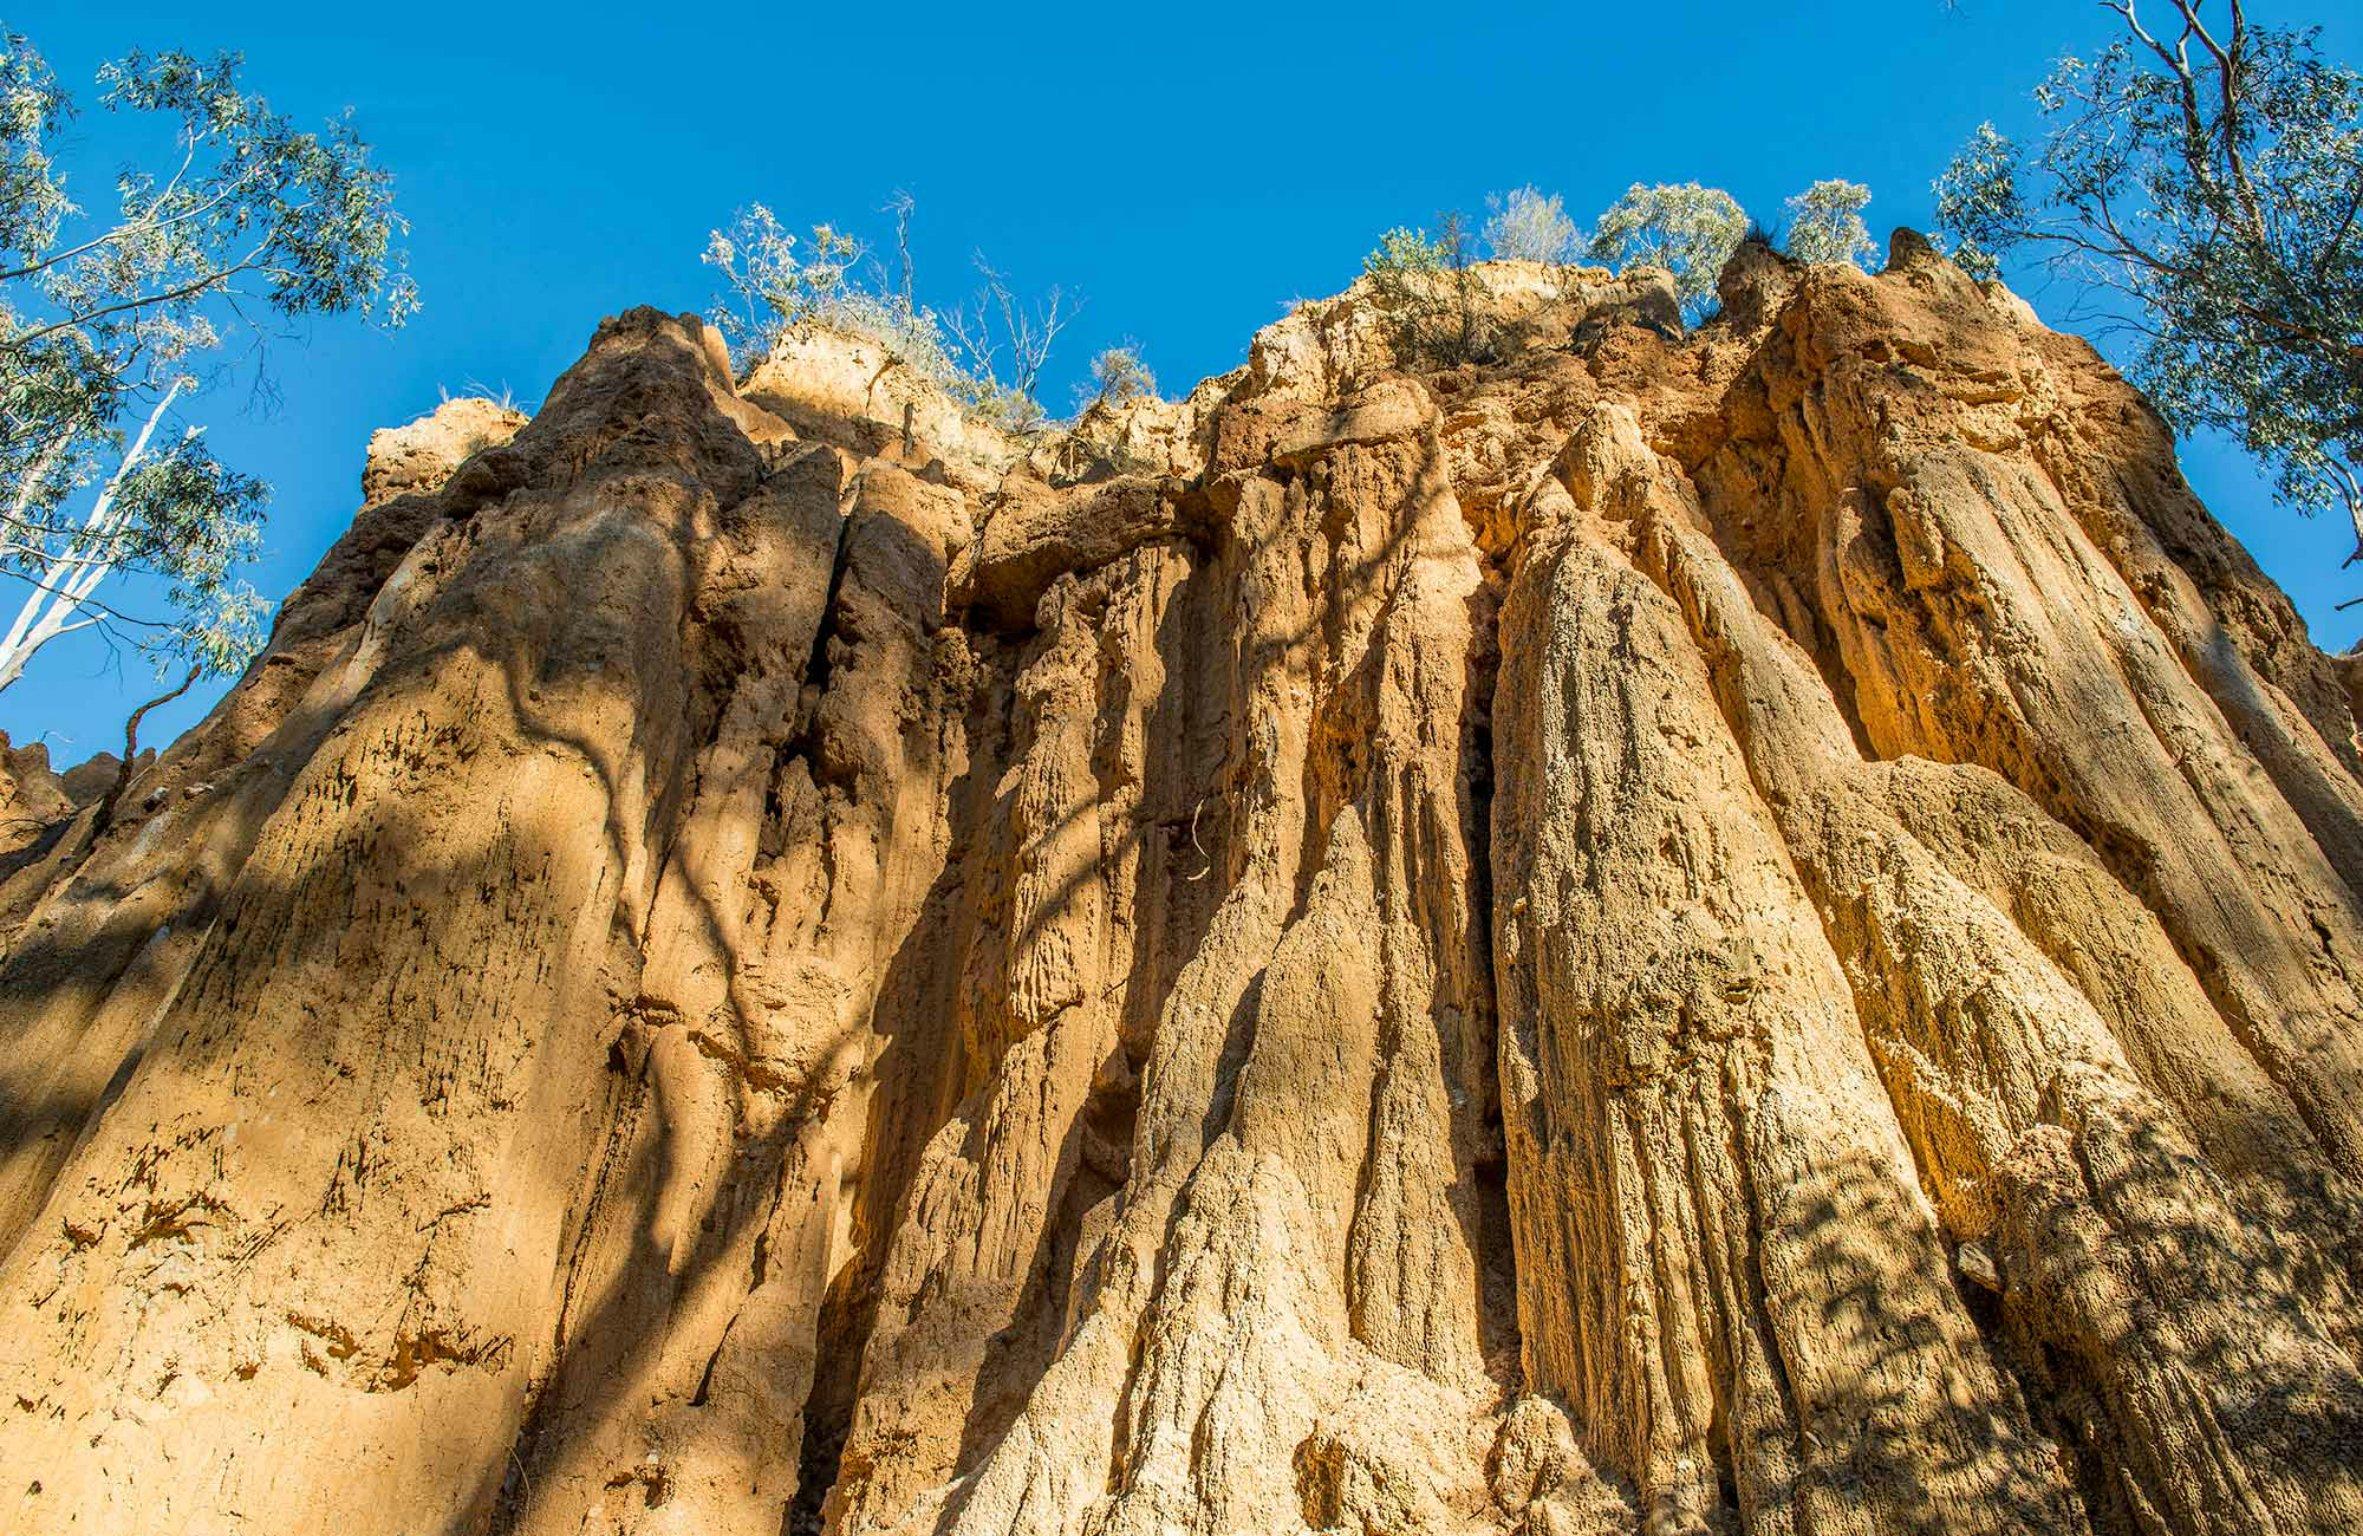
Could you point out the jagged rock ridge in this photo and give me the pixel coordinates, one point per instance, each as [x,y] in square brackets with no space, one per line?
[1752,932]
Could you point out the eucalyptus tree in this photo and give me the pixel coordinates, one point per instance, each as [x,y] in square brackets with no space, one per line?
[115,317]
[1687,229]
[2204,174]
[1526,224]
[1826,223]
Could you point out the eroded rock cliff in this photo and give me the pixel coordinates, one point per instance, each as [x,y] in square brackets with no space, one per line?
[1745,932]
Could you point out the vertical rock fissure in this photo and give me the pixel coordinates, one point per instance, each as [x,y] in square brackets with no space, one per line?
[1489,1169]
[817,665]
[913,1020]
[828,1410]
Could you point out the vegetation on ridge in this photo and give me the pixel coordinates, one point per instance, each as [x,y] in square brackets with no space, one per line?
[1826,223]
[1422,282]
[988,353]
[1688,230]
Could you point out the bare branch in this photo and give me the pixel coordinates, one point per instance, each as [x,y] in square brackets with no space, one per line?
[105,816]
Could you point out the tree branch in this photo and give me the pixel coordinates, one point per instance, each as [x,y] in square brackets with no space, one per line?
[123,772]
[194,288]
[79,568]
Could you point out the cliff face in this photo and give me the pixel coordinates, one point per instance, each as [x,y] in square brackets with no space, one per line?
[1746,933]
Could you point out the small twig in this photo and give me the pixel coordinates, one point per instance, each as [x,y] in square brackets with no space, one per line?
[123,772]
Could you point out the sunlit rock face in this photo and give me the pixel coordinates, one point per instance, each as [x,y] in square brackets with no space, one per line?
[1752,931]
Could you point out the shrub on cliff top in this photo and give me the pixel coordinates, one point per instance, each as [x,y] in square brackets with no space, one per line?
[775,286]
[988,353]
[1427,297]
[1826,223]
[1688,230]
[1691,230]
[1527,225]
[1119,378]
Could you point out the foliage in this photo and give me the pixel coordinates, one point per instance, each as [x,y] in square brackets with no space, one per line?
[1826,223]
[1118,379]
[1687,229]
[110,318]
[1526,225]
[995,325]
[194,519]
[774,290]
[1428,296]
[2205,180]
[771,286]
[1977,200]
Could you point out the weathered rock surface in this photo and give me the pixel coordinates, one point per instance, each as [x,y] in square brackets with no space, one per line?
[1753,932]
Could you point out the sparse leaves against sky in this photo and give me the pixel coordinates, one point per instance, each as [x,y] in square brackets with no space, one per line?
[115,317]
[2203,175]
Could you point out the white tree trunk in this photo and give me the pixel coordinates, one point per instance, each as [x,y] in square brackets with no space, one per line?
[65,581]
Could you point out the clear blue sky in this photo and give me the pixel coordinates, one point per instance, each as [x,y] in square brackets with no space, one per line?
[1187,170]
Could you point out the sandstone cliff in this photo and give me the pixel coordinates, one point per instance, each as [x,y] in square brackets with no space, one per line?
[1745,932]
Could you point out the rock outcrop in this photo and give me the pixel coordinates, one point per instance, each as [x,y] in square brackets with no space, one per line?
[1754,931]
